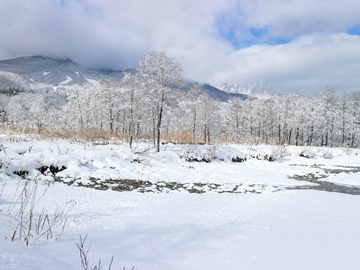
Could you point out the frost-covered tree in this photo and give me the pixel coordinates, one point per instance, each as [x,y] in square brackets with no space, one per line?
[158,72]
[132,105]
[81,108]
[330,112]
[355,119]
[39,114]
[108,96]
[189,106]
[209,117]
[17,111]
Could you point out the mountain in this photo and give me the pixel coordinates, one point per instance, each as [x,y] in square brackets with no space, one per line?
[52,72]
[220,95]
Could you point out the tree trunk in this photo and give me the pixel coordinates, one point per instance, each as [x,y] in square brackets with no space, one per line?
[279,134]
[327,139]
[131,126]
[289,139]
[311,136]
[154,130]
[353,140]
[158,126]
[194,127]
[205,133]
[111,121]
[208,136]
[297,137]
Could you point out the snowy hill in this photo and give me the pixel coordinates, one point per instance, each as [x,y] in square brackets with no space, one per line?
[8,79]
[40,70]
[221,95]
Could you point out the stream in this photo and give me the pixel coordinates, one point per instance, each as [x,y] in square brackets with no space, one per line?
[317,183]
[324,185]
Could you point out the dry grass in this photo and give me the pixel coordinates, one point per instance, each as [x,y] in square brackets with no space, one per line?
[181,138]
[11,133]
[246,141]
[14,134]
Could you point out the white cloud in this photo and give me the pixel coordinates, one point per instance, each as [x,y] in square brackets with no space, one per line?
[305,65]
[120,30]
[111,33]
[294,17]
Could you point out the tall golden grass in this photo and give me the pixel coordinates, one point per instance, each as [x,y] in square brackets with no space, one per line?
[12,133]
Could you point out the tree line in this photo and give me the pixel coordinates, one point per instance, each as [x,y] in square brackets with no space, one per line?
[152,105]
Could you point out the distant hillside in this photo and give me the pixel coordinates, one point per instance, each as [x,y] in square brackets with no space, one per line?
[10,80]
[220,95]
[55,72]
[23,71]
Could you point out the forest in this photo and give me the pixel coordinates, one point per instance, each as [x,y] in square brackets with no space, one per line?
[153,104]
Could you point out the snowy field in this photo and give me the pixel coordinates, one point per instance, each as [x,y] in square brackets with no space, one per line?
[254,213]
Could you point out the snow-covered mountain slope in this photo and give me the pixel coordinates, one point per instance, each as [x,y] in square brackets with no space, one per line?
[8,79]
[220,95]
[40,70]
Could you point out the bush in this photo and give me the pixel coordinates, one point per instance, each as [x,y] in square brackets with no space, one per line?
[307,153]
[277,153]
[193,153]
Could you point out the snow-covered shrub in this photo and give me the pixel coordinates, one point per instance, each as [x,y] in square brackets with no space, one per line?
[308,152]
[211,153]
[194,153]
[348,151]
[189,152]
[277,153]
[239,158]
[328,154]
[269,154]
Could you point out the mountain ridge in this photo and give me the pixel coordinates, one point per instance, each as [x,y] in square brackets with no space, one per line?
[57,72]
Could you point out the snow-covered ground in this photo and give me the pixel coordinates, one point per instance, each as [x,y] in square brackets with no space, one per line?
[163,229]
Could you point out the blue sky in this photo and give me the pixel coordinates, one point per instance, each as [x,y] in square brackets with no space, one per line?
[283,45]
[354,30]
[251,36]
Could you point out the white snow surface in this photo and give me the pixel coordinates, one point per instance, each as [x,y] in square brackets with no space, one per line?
[68,80]
[92,81]
[288,229]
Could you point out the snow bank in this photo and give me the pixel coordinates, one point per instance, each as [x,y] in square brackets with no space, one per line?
[177,230]
[265,165]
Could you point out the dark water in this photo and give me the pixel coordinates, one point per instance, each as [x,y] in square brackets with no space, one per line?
[329,187]
[323,185]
